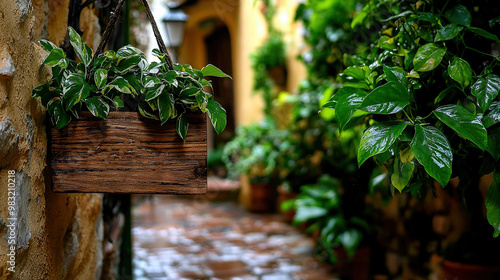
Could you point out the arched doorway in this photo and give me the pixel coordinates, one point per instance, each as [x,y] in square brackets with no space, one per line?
[218,51]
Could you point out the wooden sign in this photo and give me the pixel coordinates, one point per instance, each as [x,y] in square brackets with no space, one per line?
[128,154]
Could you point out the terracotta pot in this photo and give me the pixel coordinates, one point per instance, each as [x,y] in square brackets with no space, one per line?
[262,197]
[284,195]
[358,268]
[459,271]
[449,270]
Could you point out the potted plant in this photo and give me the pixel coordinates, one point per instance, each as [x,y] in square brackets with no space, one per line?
[428,92]
[343,232]
[255,152]
[101,155]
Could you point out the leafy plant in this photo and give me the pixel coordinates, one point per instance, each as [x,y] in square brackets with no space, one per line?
[125,79]
[428,90]
[333,43]
[322,206]
[314,145]
[255,151]
[267,56]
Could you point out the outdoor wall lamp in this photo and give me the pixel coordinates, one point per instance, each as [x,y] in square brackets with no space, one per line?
[175,21]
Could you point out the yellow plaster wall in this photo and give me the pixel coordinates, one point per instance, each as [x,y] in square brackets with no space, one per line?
[62,232]
[247,28]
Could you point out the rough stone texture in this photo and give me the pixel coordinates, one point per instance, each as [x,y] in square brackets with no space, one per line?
[3,226]
[9,140]
[24,9]
[71,244]
[99,232]
[7,68]
[30,128]
[47,250]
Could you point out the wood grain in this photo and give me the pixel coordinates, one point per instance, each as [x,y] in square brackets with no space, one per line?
[128,154]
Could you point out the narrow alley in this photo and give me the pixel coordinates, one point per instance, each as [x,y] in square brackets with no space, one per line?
[192,238]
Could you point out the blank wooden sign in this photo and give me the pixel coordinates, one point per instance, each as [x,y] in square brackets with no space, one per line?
[128,154]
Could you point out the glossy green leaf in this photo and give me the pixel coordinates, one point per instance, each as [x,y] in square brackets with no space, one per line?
[350,240]
[426,16]
[83,51]
[123,65]
[97,107]
[494,143]
[383,157]
[433,151]
[428,57]
[403,172]
[122,86]
[100,78]
[57,57]
[154,92]
[118,102]
[166,106]
[60,118]
[341,93]
[346,107]
[358,19]
[460,71]
[182,126]
[493,22]
[355,72]
[217,115]
[492,204]
[378,139]
[447,32]
[395,74]
[188,92]
[386,99]
[486,89]
[211,70]
[146,111]
[169,76]
[45,93]
[493,117]
[307,213]
[484,33]
[402,14]
[413,74]
[466,124]
[75,88]
[386,42]
[150,82]
[47,45]
[128,51]
[459,15]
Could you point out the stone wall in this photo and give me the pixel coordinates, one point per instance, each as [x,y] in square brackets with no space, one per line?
[58,236]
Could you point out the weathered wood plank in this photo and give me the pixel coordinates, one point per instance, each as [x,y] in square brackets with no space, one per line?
[128,154]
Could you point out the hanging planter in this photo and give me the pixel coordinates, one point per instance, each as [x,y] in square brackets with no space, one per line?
[128,153]
[150,150]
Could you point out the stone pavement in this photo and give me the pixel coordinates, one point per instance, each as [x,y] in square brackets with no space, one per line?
[178,238]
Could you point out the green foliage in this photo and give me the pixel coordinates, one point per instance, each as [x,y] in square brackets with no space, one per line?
[125,78]
[334,44]
[493,204]
[320,205]
[255,151]
[428,88]
[314,143]
[267,56]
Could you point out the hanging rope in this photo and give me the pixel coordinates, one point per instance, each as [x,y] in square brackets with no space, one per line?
[109,30]
[158,37]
